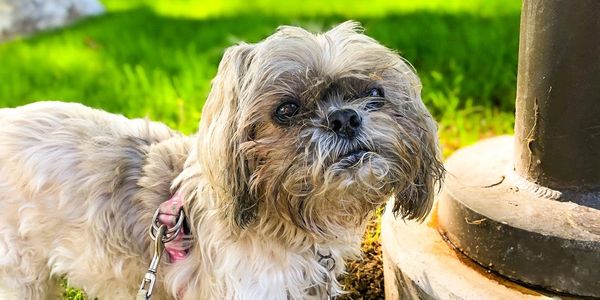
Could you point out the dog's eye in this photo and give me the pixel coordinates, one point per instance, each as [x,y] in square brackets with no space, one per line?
[375,92]
[285,111]
[376,100]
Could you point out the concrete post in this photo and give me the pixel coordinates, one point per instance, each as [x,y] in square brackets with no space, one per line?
[523,214]
[558,94]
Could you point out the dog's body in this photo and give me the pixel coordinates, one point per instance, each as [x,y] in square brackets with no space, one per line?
[75,198]
[263,195]
[88,184]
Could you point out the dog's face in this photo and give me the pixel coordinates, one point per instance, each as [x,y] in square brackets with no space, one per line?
[318,130]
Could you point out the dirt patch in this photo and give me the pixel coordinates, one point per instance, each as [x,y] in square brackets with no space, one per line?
[365,276]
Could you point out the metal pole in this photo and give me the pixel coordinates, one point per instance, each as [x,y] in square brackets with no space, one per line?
[532,217]
[557,126]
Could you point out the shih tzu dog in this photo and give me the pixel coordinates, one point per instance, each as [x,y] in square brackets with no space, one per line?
[302,137]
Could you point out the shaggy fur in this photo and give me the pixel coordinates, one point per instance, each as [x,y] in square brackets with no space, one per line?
[78,186]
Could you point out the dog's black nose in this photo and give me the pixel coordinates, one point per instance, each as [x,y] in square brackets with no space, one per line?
[345,122]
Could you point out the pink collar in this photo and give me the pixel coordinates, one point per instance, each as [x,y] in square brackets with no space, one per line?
[168,215]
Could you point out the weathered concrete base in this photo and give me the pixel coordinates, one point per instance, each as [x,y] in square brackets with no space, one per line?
[419,264]
[546,238]
[523,231]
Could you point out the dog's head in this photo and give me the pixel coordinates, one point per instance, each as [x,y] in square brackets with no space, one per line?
[318,130]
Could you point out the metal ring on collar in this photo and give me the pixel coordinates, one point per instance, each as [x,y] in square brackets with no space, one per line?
[326,260]
[170,233]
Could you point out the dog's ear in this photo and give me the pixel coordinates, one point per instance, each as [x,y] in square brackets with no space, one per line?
[222,134]
[416,199]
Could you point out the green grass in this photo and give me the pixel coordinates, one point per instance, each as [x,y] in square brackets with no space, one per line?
[151,59]
[155,59]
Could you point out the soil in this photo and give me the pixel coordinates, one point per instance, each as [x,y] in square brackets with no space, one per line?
[365,276]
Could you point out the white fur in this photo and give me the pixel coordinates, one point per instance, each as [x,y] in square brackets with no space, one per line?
[78,186]
[57,165]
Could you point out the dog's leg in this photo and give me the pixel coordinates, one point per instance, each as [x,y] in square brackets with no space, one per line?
[24,271]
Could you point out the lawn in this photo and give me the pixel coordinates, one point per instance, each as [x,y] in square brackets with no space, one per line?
[155,59]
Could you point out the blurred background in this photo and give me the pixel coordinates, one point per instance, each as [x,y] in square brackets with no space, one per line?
[155,59]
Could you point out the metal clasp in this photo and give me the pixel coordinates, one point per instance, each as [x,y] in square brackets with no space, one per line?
[160,234]
[147,286]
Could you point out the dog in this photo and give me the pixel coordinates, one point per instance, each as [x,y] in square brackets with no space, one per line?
[303,136]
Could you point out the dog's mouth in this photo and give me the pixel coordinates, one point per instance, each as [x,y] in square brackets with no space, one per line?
[353,157]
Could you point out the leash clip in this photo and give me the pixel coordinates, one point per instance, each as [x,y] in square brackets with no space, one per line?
[160,235]
[147,286]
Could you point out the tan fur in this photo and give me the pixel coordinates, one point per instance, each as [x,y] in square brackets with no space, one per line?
[78,186]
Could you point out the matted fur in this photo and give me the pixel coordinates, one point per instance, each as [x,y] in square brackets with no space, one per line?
[78,186]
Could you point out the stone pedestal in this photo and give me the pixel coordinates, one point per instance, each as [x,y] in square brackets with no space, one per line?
[419,264]
[493,235]
[522,211]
